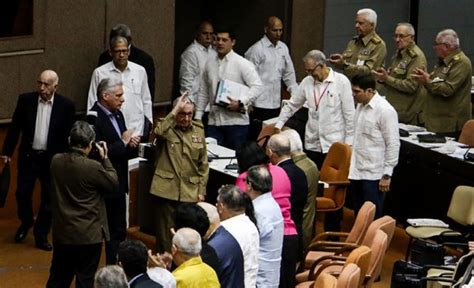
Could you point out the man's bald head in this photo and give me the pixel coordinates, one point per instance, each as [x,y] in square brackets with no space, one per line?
[273,29]
[280,144]
[47,84]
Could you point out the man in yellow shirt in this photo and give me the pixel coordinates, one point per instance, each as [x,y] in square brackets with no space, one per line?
[191,271]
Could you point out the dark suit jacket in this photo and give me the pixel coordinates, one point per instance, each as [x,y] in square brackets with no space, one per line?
[118,152]
[78,185]
[144,281]
[139,57]
[24,120]
[299,192]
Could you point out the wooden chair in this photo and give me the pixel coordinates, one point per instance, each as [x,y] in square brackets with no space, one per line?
[334,172]
[467,133]
[320,247]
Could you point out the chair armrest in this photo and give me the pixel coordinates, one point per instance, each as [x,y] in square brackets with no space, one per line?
[423,280]
[312,276]
[338,183]
[325,246]
[325,235]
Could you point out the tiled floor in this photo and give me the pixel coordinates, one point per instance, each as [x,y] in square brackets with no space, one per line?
[22,265]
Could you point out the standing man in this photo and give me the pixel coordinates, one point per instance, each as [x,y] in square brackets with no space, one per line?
[136,55]
[279,152]
[77,201]
[182,168]
[194,59]
[376,145]
[230,124]
[366,51]
[233,206]
[330,107]
[138,107]
[110,127]
[397,83]
[448,105]
[273,63]
[43,119]
[269,223]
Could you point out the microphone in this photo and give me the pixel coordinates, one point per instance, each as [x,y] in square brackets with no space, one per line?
[468,156]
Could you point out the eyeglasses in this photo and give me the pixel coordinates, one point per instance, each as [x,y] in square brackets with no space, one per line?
[401,36]
[120,51]
[438,43]
[183,114]
[311,71]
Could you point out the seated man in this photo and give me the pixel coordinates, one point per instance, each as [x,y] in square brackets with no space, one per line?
[133,257]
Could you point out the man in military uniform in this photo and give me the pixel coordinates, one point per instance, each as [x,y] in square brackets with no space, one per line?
[448,105]
[402,91]
[366,51]
[182,168]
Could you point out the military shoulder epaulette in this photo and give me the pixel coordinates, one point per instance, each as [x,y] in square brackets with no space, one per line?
[376,39]
[412,53]
[456,57]
[198,124]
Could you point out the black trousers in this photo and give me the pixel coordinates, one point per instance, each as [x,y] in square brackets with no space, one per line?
[34,165]
[289,258]
[163,212]
[116,218]
[74,260]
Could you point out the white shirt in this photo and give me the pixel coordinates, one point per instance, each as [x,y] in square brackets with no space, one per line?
[193,61]
[43,117]
[330,111]
[376,140]
[270,227]
[137,95]
[235,68]
[273,64]
[246,234]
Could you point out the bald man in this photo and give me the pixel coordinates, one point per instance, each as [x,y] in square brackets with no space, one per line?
[273,63]
[43,119]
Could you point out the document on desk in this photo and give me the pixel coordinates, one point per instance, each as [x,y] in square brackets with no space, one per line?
[427,222]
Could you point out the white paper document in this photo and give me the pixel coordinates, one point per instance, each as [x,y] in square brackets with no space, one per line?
[228,88]
[427,222]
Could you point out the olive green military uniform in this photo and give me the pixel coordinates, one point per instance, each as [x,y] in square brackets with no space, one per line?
[448,105]
[309,212]
[363,55]
[181,173]
[402,91]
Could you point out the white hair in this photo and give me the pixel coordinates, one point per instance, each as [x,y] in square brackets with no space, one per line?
[188,242]
[411,30]
[449,37]
[317,56]
[295,140]
[369,14]
[211,211]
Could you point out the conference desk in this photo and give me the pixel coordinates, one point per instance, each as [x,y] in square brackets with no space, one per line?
[424,180]
[220,157]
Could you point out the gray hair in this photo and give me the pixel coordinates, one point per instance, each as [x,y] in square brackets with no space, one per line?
[260,178]
[118,39]
[81,134]
[211,212]
[369,14]
[106,85]
[449,37]
[317,56]
[295,140]
[411,30]
[111,276]
[121,30]
[232,198]
[279,144]
[188,242]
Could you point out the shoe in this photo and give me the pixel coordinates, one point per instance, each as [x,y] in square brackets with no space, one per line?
[44,245]
[21,233]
